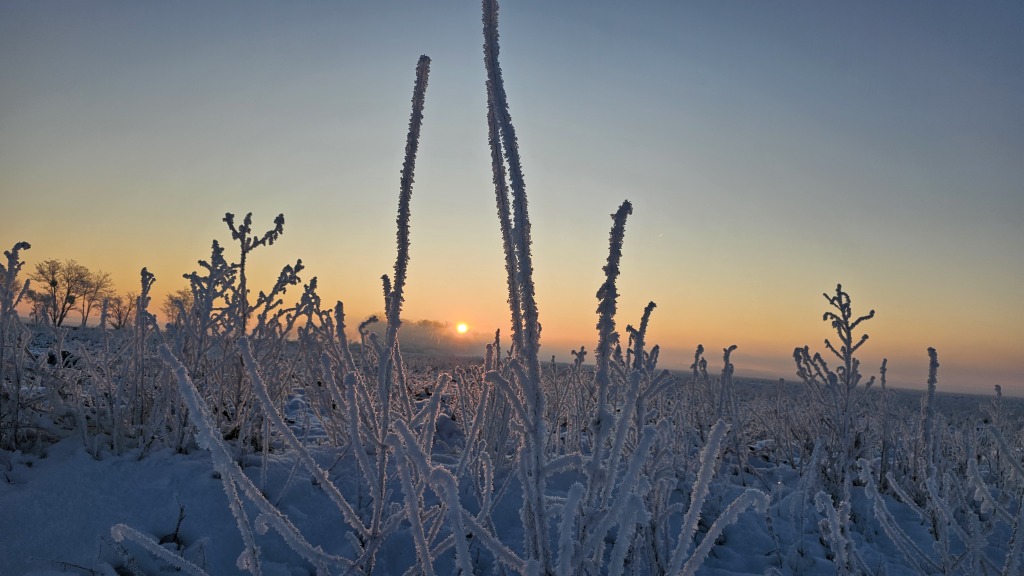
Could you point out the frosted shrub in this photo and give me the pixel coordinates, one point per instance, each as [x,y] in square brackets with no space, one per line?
[244,377]
[247,242]
[204,334]
[969,523]
[624,476]
[525,389]
[14,340]
[59,388]
[837,394]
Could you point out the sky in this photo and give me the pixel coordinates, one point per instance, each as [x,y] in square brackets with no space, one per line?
[770,149]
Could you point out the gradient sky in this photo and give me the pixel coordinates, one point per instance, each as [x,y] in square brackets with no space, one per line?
[770,149]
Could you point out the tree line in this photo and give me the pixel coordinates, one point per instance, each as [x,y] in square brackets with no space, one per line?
[59,287]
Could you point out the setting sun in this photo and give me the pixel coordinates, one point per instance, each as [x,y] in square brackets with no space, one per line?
[461,328]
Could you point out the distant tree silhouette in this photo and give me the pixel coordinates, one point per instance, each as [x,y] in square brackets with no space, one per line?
[57,286]
[121,309]
[98,287]
[176,302]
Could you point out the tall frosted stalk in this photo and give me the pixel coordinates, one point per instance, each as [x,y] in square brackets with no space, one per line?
[522,295]
[11,337]
[522,302]
[394,292]
[504,220]
[607,296]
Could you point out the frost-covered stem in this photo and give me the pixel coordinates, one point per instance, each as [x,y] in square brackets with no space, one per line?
[949,520]
[907,547]
[609,516]
[629,405]
[528,343]
[498,108]
[701,487]
[506,389]
[607,337]
[427,417]
[1016,545]
[886,424]
[360,449]
[412,507]
[122,532]
[442,483]
[448,491]
[11,293]
[293,442]
[348,363]
[566,531]
[751,498]
[504,221]
[927,434]
[981,490]
[209,438]
[474,432]
[725,396]
[144,320]
[1015,465]
[838,541]
[728,408]
[641,336]
[395,294]
[837,391]
[625,536]
[246,244]
[607,296]
[844,329]
[401,384]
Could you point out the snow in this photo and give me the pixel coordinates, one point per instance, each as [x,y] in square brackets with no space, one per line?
[60,504]
[59,508]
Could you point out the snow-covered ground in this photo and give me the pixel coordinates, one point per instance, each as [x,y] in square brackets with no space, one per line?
[60,501]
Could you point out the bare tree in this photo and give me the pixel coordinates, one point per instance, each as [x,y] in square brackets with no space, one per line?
[37,314]
[176,302]
[58,287]
[98,287]
[121,309]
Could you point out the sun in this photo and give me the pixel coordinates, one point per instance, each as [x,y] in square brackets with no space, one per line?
[461,328]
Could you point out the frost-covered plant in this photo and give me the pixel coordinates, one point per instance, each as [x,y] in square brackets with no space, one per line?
[13,345]
[204,333]
[135,398]
[390,370]
[886,420]
[123,532]
[354,401]
[603,420]
[515,227]
[247,242]
[685,559]
[838,394]
[835,528]
[967,521]
[235,483]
